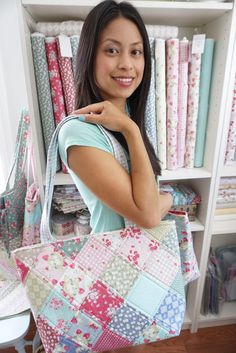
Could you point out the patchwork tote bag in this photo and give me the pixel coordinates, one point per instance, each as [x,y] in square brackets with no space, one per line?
[102,291]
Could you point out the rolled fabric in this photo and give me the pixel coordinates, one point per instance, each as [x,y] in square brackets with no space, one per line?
[204,92]
[67,78]
[231,140]
[172,72]
[182,100]
[164,32]
[43,87]
[74,40]
[70,28]
[55,83]
[160,59]
[150,111]
[192,114]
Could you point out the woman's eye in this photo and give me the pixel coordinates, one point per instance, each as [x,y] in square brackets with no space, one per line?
[137,52]
[112,50]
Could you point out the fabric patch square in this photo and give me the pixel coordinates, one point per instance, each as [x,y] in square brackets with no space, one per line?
[160,232]
[58,311]
[163,266]
[74,285]
[153,333]
[101,303]
[137,247]
[110,340]
[177,284]
[71,247]
[171,313]
[112,240]
[84,330]
[68,346]
[37,291]
[51,263]
[22,270]
[146,295]
[94,257]
[49,336]
[128,322]
[120,275]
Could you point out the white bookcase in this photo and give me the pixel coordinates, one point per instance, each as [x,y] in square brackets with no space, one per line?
[218,21]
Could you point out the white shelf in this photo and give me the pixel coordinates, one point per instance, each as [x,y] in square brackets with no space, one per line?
[226,316]
[183,14]
[185,173]
[187,321]
[196,226]
[224,224]
[229,171]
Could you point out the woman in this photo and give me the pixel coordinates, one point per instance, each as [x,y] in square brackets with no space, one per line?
[112,83]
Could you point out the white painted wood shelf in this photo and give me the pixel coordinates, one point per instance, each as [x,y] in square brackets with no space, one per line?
[226,316]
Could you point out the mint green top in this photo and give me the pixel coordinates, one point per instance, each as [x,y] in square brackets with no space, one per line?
[79,133]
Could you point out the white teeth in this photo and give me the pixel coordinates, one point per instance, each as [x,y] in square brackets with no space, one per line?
[126,80]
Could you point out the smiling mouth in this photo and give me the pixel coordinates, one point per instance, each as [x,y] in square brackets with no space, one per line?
[124,80]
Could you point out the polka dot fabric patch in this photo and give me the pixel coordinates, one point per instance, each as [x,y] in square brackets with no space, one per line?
[105,291]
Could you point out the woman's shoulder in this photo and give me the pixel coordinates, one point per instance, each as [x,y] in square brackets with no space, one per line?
[76,132]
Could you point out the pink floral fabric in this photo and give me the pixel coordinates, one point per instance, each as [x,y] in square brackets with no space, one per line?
[172,73]
[67,78]
[182,100]
[231,141]
[192,114]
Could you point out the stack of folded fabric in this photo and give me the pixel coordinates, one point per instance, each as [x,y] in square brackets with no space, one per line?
[226,199]
[67,199]
[184,198]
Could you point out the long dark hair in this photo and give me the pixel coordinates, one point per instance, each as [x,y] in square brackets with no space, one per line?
[87,91]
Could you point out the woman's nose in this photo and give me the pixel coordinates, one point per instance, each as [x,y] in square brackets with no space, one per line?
[125,62]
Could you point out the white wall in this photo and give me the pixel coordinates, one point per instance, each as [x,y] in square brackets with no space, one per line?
[12,83]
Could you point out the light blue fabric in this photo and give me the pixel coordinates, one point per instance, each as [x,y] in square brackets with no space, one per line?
[204,91]
[75,132]
[146,295]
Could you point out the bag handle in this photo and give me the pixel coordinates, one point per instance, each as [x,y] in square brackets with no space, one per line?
[20,149]
[45,231]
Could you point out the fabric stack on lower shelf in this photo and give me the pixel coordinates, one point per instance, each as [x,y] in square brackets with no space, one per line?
[226,199]
[220,281]
[184,198]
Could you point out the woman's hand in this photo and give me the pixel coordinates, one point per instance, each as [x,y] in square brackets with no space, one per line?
[106,114]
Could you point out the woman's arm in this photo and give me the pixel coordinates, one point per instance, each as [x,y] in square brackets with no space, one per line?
[133,196]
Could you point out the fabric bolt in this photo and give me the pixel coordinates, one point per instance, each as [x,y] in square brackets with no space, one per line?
[67,79]
[192,113]
[150,111]
[55,79]
[74,40]
[43,87]
[204,94]
[172,72]
[160,60]
[231,140]
[182,100]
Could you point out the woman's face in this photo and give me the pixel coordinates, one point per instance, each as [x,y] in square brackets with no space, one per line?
[119,62]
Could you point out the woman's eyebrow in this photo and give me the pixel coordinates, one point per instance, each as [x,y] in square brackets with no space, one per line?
[117,42]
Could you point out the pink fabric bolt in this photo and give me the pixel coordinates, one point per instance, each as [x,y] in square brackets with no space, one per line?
[182,100]
[231,141]
[172,49]
[67,78]
[192,114]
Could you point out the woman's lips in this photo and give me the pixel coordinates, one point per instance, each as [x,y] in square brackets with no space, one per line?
[124,81]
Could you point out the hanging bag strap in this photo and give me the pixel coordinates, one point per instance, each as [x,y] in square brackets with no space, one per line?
[20,150]
[45,231]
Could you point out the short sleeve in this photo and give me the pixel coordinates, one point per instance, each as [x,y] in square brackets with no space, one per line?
[79,133]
